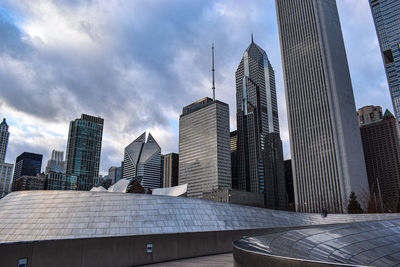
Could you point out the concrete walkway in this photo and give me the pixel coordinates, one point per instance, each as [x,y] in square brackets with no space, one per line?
[220,260]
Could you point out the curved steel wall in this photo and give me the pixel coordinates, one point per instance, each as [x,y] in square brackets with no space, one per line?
[46,215]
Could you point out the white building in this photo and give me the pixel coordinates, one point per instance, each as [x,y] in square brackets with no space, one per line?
[327,155]
[56,163]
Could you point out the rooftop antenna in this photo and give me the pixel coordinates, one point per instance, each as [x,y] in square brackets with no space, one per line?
[252,40]
[213,71]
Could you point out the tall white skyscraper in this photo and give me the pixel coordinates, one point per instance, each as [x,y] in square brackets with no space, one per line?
[204,147]
[327,155]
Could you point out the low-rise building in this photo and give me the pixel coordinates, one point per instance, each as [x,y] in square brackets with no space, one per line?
[27,182]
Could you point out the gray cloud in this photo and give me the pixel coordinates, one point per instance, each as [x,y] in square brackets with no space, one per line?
[137,63]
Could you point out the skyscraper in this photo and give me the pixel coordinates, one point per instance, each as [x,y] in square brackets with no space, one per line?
[56,163]
[204,147]
[4,134]
[327,156]
[380,139]
[29,164]
[171,170]
[115,174]
[257,117]
[5,178]
[83,150]
[5,168]
[386,15]
[234,160]
[142,159]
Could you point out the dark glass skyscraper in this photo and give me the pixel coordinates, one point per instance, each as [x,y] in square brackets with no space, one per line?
[257,117]
[29,164]
[234,160]
[386,15]
[170,170]
[83,150]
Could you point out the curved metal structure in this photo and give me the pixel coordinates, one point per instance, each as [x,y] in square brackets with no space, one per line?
[48,215]
[174,191]
[375,243]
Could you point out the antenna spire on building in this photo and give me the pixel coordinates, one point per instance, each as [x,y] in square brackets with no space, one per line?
[252,40]
[213,72]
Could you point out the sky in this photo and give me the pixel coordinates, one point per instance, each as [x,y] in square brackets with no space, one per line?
[137,63]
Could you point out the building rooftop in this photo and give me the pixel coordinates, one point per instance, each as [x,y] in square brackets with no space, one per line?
[204,102]
[373,243]
[49,215]
[4,122]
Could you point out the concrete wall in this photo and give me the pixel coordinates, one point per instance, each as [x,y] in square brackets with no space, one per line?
[124,250]
[120,251]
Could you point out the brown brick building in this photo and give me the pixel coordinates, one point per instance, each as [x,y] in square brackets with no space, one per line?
[26,182]
[381,145]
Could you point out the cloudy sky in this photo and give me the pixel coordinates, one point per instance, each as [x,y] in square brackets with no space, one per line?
[137,63]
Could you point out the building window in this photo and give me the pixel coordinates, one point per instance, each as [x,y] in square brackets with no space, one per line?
[372,116]
[23,262]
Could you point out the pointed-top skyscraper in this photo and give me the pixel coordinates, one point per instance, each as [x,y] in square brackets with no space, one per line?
[5,168]
[4,134]
[143,160]
[257,122]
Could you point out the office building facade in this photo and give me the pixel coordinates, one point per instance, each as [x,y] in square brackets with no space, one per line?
[27,182]
[381,145]
[6,170]
[386,14]
[56,163]
[29,164]
[256,113]
[170,170]
[234,160]
[60,181]
[327,156]
[114,174]
[257,118]
[4,135]
[84,149]
[289,184]
[369,114]
[275,185]
[142,159]
[204,147]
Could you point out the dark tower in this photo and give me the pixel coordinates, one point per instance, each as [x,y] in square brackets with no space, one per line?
[257,117]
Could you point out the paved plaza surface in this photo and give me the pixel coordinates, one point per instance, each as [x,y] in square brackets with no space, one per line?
[220,260]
